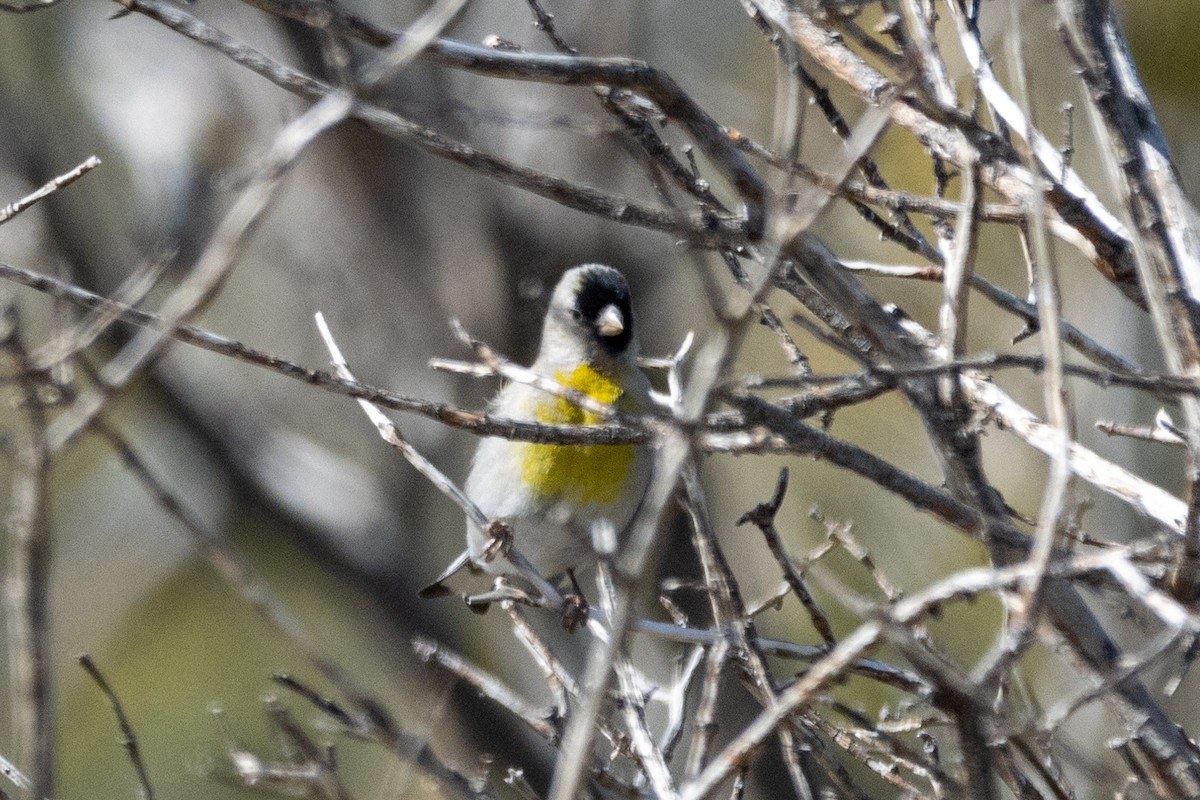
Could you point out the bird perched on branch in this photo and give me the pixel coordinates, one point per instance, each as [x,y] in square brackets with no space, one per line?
[554,497]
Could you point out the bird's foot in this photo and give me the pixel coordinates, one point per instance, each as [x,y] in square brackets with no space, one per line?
[575,612]
[575,606]
[499,540]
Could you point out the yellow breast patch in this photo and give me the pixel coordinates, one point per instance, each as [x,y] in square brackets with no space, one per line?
[583,473]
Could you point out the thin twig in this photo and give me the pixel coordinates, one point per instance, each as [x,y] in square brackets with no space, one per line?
[956,280]
[66,179]
[486,684]
[631,700]
[1158,384]
[128,738]
[544,22]
[704,229]
[392,435]
[569,70]
[324,704]
[426,29]
[1143,496]
[1026,311]
[684,674]
[729,615]
[897,617]
[14,775]
[959,451]
[560,682]
[961,142]
[896,677]
[769,720]
[763,517]
[212,267]
[445,413]
[1054,394]
[74,340]
[1155,433]
[706,708]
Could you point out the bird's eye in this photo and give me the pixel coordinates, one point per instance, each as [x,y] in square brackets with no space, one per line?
[577,315]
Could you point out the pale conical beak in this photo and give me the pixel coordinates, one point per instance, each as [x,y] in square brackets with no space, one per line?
[610,322]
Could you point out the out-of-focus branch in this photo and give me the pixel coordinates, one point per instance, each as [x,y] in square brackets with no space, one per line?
[956,276]
[14,8]
[233,568]
[211,269]
[569,70]
[128,738]
[700,228]
[27,577]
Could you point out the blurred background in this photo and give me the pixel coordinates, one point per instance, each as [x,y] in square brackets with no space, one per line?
[391,244]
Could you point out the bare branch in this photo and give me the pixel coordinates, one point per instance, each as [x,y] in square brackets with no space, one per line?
[568,70]
[128,737]
[66,179]
[487,685]
[763,517]
[211,269]
[27,577]
[699,227]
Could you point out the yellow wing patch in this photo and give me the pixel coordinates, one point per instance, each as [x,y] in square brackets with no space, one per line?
[583,473]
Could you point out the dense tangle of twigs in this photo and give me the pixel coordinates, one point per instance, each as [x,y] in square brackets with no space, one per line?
[945,729]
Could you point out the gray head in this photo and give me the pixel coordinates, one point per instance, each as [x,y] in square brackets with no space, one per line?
[590,305]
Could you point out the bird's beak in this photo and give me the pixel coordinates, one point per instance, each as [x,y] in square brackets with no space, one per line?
[611,321]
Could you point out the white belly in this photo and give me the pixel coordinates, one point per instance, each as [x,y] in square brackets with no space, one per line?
[553,532]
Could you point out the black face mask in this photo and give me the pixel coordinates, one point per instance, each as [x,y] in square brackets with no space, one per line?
[601,289]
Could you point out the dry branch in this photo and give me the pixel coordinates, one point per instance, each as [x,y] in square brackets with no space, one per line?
[602,720]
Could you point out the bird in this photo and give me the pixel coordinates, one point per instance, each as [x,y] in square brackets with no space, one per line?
[552,495]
